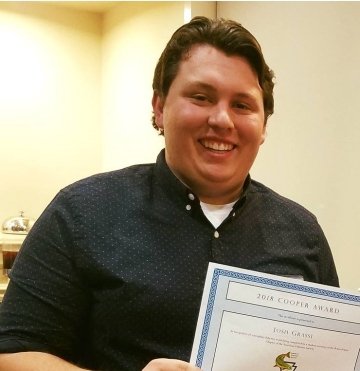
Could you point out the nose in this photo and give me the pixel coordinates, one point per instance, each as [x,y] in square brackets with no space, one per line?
[220,118]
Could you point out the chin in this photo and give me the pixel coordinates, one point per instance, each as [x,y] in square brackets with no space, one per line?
[217,178]
[218,173]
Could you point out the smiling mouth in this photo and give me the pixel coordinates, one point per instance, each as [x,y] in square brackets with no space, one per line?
[217,146]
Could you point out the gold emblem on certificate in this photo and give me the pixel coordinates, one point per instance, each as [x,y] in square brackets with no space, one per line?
[283,364]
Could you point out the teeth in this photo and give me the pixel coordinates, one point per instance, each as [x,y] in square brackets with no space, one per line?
[218,146]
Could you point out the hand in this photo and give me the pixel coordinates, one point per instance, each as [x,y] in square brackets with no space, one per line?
[163,364]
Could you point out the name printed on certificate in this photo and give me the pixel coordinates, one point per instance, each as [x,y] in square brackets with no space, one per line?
[255,321]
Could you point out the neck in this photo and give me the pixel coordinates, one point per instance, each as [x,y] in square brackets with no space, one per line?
[212,193]
[218,198]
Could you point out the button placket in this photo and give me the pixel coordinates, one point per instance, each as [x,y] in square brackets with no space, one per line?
[191,198]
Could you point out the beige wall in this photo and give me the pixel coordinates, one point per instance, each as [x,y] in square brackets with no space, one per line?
[312,149]
[49,103]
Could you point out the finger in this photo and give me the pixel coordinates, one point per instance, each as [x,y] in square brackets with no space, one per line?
[163,364]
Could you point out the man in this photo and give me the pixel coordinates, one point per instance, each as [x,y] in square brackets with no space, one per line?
[111,275]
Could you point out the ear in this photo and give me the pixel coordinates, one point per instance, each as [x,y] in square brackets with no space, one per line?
[263,134]
[158,107]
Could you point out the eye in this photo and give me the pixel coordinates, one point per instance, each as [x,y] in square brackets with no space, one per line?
[241,106]
[200,97]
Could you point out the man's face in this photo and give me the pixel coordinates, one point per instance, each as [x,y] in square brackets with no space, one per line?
[213,121]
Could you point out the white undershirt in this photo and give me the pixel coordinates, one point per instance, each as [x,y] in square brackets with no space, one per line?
[216,213]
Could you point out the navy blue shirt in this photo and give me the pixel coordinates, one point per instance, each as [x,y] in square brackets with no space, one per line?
[111,275]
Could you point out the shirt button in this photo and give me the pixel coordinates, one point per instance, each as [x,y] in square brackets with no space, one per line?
[216,234]
[233,215]
[188,207]
[191,196]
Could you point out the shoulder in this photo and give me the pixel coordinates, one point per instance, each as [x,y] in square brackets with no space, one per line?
[109,189]
[275,203]
[116,180]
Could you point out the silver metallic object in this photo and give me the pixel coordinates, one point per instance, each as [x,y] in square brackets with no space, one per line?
[17,224]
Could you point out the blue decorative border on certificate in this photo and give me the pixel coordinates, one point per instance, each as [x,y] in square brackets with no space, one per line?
[260,280]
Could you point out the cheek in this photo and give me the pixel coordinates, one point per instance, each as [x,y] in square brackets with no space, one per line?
[183,118]
[251,130]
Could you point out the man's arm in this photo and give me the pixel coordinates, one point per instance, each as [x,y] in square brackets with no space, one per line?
[44,310]
[37,361]
[34,361]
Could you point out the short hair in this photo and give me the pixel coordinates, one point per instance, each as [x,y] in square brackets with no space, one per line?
[225,35]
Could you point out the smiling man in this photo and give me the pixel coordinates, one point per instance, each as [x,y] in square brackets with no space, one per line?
[111,275]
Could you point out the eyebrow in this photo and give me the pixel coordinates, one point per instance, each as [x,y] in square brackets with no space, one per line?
[201,84]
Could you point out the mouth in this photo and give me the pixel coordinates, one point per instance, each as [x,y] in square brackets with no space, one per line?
[217,146]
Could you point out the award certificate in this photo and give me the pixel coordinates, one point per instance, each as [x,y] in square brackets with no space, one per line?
[254,321]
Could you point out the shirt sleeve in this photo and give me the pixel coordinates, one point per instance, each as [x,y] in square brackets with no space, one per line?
[327,268]
[46,305]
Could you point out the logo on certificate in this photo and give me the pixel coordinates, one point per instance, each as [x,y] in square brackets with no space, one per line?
[283,364]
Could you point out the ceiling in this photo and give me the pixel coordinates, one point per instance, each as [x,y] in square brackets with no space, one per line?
[91,6]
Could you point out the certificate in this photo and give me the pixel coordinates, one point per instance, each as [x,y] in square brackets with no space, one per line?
[254,321]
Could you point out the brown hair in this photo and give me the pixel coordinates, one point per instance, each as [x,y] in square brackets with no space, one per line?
[227,36]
